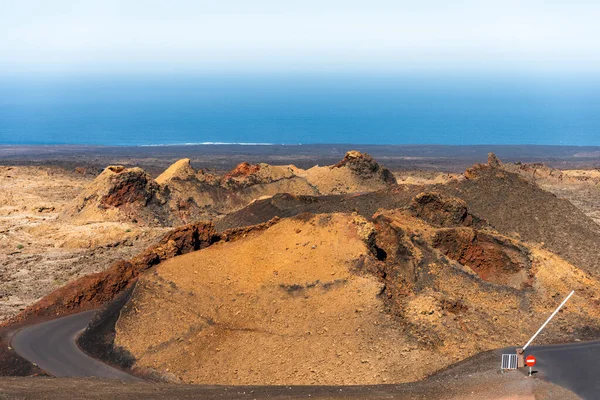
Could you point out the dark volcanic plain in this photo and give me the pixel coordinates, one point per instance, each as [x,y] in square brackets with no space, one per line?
[225,157]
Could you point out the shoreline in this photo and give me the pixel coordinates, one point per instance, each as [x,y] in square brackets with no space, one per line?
[224,157]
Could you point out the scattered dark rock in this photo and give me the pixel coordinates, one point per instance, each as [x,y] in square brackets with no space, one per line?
[364,166]
[442,210]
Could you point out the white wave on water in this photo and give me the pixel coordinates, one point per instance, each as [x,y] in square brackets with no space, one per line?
[211,144]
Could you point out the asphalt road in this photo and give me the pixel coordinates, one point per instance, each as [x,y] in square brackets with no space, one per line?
[51,345]
[575,366]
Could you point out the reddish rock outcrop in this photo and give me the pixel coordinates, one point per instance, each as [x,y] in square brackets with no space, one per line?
[243,169]
[121,194]
[244,175]
[495,259]
[129,186]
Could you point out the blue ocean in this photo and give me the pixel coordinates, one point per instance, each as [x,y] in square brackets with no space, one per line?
[299,110]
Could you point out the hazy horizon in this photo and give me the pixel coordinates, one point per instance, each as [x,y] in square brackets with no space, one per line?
[152,37]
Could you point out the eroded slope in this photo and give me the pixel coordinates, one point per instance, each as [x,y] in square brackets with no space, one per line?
[253,311]
[518,207]
[336,299]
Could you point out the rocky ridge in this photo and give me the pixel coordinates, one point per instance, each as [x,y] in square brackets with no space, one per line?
[181,194]
[518,207]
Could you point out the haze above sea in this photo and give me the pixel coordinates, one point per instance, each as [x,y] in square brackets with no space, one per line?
[300,110]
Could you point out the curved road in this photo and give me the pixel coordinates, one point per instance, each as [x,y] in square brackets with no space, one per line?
[51,345]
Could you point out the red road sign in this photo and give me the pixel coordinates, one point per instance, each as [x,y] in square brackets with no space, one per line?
[530,361]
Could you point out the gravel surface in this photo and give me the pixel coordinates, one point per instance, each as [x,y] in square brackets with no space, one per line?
[481,385]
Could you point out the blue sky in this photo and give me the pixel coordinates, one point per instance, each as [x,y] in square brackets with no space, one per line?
[120,36]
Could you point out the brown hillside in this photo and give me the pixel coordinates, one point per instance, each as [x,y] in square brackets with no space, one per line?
[513,205]
[580,187]
[365,167]
[335,299]
[493,258]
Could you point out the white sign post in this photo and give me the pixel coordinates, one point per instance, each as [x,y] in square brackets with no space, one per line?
[548,320]
[521,351]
